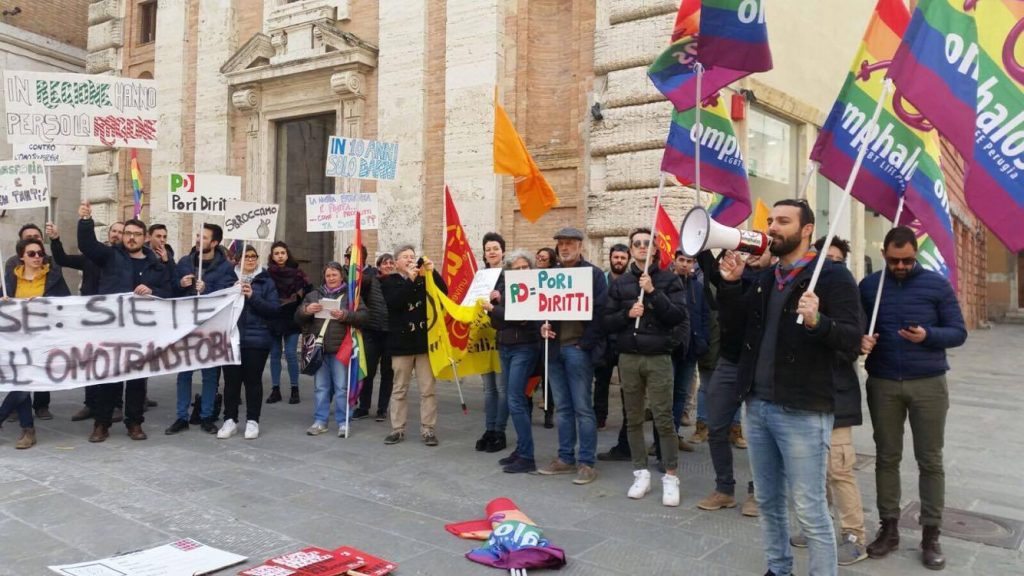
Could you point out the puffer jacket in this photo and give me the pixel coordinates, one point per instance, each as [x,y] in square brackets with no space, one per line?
[90,271]
[511,332]
[115,264]
[218,274]
[259,310]
[664,325]
[310,324]
[371,293]
[924,298]
[55,284]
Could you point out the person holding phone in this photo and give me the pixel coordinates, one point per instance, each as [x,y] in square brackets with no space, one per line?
[918,319]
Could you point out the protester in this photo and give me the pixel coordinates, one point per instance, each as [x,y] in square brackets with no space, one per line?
[546,258]
[157,239]
[645,356]
[574,348]
[128,266]
[261,306]
[291,285]
[518,349]
[495,396]
[786,372]
[375,339]
[618,261]
[385,266]
[217,274]
[918,319]
[406,295]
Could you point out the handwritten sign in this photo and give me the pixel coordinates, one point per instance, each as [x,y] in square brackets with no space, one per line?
[549,294]
[185,556]
[362,159]
[64,343]
[52,154]
[23,185]
[331,212]
[482,286]
[205,193]
[250,220]
[80,109]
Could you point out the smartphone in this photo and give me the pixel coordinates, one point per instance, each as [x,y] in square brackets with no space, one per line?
[910,325]
[419,263]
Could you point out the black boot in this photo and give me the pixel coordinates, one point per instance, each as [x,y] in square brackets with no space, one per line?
[497,443]
[931,552]
[218,402]
[275,395]
[197,404]
[484,440]
[887,540]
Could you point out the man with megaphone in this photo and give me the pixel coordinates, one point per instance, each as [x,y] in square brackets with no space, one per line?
[785,374]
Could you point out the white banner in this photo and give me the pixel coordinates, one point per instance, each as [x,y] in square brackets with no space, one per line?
[202,193]
[64,343]
[362,159]
[23,185]
[549,294]
[331,212]
[52,154]
[80,109]
[250,221]
[181,558]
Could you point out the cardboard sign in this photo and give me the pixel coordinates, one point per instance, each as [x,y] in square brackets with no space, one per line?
[362,159]
[52,154]
[250,220]
[333,212]
[182,558]
[202,193]
[80,109]
[372,565]
[482,286]
[549,294]
[309,561]
[23,185]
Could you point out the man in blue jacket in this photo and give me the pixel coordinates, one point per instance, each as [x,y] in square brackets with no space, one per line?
[217,274]
[918,319]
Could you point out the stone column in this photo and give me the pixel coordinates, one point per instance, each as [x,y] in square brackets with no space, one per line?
[350,86]
[247,101]
[217,40]
[402,118]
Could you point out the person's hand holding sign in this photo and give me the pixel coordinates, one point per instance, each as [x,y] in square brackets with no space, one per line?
[313,308]
[546,332]
[85,210]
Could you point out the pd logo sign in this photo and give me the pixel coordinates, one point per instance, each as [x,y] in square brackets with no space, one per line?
[549,294]
[206,193]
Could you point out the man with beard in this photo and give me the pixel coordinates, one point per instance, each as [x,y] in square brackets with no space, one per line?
[785,373]
[125,267]
[618,260]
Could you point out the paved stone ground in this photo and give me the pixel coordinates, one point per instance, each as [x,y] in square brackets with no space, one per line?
[68,501]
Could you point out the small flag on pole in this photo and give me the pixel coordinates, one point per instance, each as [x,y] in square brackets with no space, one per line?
[137,184]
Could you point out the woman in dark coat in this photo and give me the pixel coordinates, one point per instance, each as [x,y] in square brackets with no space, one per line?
[292,286]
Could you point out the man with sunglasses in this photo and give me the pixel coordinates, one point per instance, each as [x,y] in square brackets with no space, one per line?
[918,319]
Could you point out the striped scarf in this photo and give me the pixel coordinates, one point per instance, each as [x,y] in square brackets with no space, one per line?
[781,281]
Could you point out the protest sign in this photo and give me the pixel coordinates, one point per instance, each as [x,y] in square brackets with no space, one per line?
[332,212]
[185,557]
[52,154]
[549,294]
[205,193]
[250,220]
[80,109]
[482,286]
[309,561]
[23,185]
[372,565]
[362,159]
[64,343]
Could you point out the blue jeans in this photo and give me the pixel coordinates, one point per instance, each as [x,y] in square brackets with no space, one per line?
[291,355]
[495,402]
[20,402]
[682,377]
[571,375]
[210,378]
[517,363]
[791,446]
[330,380]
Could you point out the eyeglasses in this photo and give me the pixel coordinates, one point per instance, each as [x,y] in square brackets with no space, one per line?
[897,261]
[641,243]
[35,253]
[251,256]
[133,234]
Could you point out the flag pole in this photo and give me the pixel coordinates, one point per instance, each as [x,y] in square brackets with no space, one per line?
[199,276]
[869,135]
[651,247]
[696,144]
[49,195]
[881,278]
[3,277]
[812,167]
[458,384]
[547,385]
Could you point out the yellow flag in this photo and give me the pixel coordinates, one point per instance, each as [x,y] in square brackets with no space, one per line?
[480,355]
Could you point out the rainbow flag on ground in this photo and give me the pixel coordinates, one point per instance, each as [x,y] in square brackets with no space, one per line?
[901,160]
[733,34]
[351,353]
[136,184]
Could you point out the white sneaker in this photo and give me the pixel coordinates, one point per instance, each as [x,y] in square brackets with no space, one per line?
[316,429]
[342,430]
[252,430]
[641,484]
[670,490]
[228,429]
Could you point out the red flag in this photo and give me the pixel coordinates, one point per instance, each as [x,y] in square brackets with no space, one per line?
[666,236]
[459,263]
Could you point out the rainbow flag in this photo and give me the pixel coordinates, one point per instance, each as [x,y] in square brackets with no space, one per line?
[351,353]
[136,184]
[722,168]
[995,180]
[733,34]
[901,159]
[928,254]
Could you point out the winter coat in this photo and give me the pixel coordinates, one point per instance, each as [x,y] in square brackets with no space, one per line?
[664,325]
[699,318]
[218,274]
[55,284]
[924,298]
[260,308]
[90,271]
[371,293]
[594,339]
[407,313]
[115,264]
[848,397]
[511,332]
[336,330]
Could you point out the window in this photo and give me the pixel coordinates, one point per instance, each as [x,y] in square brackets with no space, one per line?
[771,156]
[147,21]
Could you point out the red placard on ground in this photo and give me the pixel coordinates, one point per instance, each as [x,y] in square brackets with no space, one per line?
[309,561]
[372,566]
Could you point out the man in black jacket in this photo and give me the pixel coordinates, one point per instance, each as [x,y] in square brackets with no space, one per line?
[786,373]
[645,356]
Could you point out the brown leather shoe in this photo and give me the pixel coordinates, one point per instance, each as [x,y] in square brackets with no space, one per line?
[931,552]
[135,432]
[887,539]
[685,446]
[100,432]
[716,501]
[27,440]
[736,437]
[84,414]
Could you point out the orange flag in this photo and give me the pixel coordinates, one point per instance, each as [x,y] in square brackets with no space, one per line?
[512,158]
[759,221]
[666,236]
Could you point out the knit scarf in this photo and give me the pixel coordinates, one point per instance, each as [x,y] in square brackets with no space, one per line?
[287,280]
[781,281]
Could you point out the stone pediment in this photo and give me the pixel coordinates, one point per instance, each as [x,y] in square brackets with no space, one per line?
[255,53]
[320,46]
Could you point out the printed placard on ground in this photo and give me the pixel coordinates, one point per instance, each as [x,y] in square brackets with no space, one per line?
[549,294]
[52,154]
[250,220]
[205,193]
[483,284]
[23,185]
[185,556]
[362,159]
[334,212]
[80,109]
